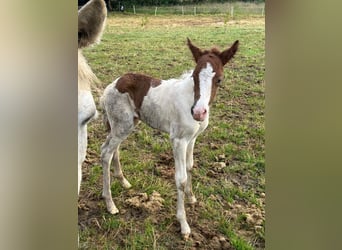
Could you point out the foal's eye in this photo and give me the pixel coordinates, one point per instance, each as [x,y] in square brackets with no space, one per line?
[219,81]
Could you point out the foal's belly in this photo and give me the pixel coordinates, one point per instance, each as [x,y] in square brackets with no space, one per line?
[176,123]
[155,118]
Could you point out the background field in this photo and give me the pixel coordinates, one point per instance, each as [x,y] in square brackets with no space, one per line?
[233,9]
[229,171]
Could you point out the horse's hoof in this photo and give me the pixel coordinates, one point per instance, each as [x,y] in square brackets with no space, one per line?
[192,200]
[125,184]
[113,210]
[186,236]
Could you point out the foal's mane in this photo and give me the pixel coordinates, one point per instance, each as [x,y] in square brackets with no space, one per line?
[186,74]
[213,50]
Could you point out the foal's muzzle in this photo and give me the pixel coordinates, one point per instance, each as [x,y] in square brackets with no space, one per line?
[199,114]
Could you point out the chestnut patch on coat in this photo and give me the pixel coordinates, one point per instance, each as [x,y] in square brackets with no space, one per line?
[137,86]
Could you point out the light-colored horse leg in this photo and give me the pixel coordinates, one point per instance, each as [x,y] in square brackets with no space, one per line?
[118,172]
[121,119]
[79,177]
[107,150]
[179,152]
[82,151]
[189,164]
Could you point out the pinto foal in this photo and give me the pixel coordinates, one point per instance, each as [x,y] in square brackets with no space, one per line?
[91,22]
[179,107]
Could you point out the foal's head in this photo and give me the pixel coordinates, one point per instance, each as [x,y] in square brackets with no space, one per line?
[208,75]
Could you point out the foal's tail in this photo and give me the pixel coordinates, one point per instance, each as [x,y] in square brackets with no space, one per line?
[104,114]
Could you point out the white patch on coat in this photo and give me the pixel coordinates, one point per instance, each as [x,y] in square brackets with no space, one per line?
[169,104]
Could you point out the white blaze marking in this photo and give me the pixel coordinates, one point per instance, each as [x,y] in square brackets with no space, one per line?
[205,81]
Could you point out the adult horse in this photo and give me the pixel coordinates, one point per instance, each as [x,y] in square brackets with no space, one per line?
[91,22]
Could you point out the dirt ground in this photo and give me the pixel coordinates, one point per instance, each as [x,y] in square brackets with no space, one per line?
[138,207]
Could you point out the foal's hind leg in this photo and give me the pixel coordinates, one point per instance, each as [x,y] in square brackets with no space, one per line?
[118,172]
[124,126]
[107,151]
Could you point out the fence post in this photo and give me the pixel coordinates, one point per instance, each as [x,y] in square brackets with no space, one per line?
[195,10]
[134,9]
[155,11]
[182,10]
[232,11]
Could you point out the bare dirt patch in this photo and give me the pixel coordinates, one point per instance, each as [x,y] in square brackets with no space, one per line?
[151,204]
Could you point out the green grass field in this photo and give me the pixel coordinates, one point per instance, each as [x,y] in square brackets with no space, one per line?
[229,171]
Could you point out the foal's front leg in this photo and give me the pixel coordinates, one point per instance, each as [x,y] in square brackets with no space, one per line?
[189,164]
[179,152]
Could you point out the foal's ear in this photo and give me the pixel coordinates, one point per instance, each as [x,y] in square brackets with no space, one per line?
[227,54]
[196,52]
[91,22]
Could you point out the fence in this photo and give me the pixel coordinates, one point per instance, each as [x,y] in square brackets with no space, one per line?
[232,9]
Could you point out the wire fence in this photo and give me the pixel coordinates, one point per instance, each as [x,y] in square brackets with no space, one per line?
[231,9]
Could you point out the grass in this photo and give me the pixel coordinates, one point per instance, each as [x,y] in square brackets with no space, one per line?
[227,196]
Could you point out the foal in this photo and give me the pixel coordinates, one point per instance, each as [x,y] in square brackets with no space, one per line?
[91,20]
[179,107]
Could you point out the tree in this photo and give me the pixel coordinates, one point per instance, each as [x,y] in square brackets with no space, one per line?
[109,5]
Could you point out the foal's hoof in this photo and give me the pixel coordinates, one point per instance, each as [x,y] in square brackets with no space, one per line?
[186,236]
[192,200]
[125,184]
[112,209]
[185,231]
